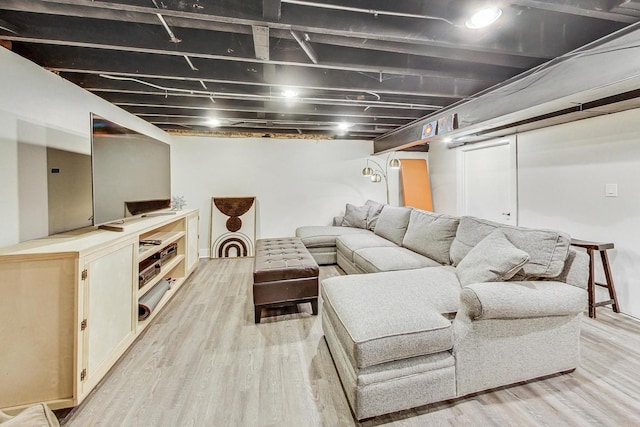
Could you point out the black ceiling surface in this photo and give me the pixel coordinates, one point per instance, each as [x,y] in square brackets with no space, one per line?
[376,64]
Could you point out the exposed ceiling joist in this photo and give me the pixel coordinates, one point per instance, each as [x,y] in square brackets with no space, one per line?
[304,20]
[381,65]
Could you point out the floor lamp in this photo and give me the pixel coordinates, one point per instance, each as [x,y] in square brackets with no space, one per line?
[377,172]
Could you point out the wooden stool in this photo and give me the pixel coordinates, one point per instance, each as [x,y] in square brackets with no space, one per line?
[602,248]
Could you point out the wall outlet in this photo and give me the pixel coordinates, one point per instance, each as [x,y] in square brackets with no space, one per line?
[611,190]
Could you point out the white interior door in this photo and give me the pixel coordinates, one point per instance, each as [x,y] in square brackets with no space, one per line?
[487,181]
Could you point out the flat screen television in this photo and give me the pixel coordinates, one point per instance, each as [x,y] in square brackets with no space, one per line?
[131,172]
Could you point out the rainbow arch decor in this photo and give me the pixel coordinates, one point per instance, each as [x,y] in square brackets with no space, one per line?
[233,227]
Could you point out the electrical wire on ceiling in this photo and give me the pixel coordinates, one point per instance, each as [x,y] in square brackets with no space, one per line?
[373,12]
[186,58]
[153,85]
[172,36]
[228,95]
[375,94]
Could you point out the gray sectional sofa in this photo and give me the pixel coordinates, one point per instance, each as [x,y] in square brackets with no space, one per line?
[436,307]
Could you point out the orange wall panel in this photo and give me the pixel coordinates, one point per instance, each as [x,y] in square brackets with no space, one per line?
[416,187]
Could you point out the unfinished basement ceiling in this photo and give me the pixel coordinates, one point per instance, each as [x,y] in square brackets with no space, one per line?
[374,64]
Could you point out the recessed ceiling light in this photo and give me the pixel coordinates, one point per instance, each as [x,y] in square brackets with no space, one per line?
[344,126]
[289,93]
[213,123]
[483,18]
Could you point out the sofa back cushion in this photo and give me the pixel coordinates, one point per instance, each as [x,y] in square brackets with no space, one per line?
[547,249]
[430,234]
[392,223]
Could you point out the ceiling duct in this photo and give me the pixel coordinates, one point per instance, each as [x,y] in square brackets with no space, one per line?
[606,72]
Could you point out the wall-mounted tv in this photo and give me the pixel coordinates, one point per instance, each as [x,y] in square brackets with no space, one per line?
[131,172]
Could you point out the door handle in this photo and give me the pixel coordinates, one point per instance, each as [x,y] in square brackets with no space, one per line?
[506,213]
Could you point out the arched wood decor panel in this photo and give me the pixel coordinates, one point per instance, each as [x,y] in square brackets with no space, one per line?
[233,227]
[416,187]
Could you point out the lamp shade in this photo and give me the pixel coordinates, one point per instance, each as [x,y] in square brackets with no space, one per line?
[367,171]
[394,163]
[376,177]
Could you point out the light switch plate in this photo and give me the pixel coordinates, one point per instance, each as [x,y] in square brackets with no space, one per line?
[611,190]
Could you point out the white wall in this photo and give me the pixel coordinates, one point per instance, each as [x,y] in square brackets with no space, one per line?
[562,172]
[40,108]
[296,182]
[443,176]
[562,176]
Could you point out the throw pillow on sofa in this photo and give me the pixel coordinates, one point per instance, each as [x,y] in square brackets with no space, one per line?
[430,234]
[548,249]
[374,213]
[392,223]
[493,259]
[355,216]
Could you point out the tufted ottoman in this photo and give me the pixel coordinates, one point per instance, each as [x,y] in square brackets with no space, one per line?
[284,273]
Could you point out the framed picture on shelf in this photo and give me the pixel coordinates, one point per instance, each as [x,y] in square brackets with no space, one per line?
[429,129]
[447,123]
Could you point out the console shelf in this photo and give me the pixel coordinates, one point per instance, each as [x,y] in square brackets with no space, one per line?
[142,324]
[164,272]
[165,237]
[73,304]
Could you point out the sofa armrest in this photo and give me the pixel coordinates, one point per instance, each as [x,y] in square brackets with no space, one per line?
[576,269]
[528,299]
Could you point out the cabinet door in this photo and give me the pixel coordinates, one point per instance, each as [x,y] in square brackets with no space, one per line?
[37,318]
[109,309]
[193,225]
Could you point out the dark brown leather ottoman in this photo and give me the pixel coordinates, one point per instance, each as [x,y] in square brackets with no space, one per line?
[284,273]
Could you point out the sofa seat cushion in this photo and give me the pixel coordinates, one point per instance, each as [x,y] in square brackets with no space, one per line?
[392,386]
[431,234]
[438,286]
[350,243]
[319,236]
[547,249]
[373,260]
[383,317]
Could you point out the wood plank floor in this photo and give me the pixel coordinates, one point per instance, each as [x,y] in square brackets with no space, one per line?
[203,362]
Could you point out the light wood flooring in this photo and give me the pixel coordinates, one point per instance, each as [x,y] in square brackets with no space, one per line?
[203,362]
